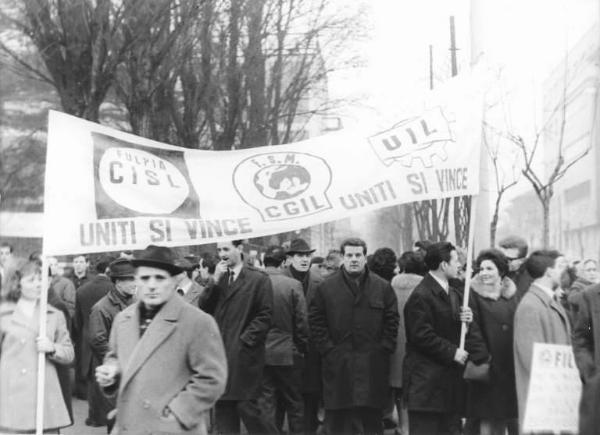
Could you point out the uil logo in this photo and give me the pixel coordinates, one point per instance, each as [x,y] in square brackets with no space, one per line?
[283,185]
[421,138]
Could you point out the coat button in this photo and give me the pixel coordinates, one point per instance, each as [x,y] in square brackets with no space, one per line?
[146,404]
[505,327]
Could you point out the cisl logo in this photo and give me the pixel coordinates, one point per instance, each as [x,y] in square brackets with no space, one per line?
[132,180]
[283,185]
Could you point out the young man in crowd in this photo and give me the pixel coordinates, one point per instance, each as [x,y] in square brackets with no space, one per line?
[63,287]
[539,318]
[433,385]
[187,288]
[81,274]
[241,301]
[166,363]
[353,318]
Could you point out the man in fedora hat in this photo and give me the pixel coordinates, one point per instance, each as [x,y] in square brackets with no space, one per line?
[166,358]
[299,254]
[121,272]
[241,300]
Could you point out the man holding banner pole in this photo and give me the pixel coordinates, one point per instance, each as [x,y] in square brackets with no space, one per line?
[433,366]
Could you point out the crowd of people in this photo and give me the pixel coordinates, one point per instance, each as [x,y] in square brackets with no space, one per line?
[351,342]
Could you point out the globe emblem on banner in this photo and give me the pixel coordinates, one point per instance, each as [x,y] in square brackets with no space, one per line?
[142,181]
[282,181]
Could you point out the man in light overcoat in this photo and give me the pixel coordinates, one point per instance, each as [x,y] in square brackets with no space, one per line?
[166,357]
[539,318]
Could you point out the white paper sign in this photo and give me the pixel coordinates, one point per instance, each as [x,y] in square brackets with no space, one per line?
[554,390]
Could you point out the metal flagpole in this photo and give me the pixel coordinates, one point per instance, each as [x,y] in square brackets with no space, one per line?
[469,271]
[41,375]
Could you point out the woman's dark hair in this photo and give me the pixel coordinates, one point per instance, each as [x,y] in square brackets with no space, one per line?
[568,277]
[13,280]
[383,263]
[496,257]
[412,262]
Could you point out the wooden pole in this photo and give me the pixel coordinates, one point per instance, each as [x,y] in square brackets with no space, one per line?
[41,375]
[469,271]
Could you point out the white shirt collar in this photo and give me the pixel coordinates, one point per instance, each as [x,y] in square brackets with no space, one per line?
[236,270]
[443,283]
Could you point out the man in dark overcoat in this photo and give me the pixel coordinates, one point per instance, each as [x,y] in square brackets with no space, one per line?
[87,296]
[354,322]
[586,347]
[121,272]
[432,376]
[299,254]
[241,301]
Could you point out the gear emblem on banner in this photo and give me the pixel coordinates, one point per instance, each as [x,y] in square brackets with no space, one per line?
[421,138]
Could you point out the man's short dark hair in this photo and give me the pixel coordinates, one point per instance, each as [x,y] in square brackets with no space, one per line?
[515,242]
[437,253]
[539,261]
[354,241]
[274,256]
[412,262]
[317,260]
[209,261]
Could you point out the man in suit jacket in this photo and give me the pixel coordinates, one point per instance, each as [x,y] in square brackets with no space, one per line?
[166,357]
[87,296]
[432,376]
[539,317]
[241,301]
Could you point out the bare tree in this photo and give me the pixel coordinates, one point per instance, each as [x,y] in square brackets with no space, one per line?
[544,184]
[79,43]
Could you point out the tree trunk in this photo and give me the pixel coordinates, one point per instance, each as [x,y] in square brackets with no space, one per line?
[546,224]
[494,222]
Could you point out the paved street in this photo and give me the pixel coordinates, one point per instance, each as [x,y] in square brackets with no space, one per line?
[80,410]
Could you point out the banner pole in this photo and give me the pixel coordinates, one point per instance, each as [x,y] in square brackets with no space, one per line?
[469,271]
[41,368]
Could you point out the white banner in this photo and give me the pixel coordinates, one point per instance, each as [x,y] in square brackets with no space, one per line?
[554,391]
[107,190]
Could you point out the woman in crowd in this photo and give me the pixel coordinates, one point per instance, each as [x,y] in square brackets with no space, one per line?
[19,347]
[493,300]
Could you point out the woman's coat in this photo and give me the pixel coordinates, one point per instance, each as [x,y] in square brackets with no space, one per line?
[18,369]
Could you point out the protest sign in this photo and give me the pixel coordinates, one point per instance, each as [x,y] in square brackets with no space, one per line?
[107,190]
[554,390]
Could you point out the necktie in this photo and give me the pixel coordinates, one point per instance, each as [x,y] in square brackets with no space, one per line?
[230,277]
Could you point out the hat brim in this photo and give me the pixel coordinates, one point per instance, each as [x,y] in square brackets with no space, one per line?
[126,275]
[171,268]
[309,251]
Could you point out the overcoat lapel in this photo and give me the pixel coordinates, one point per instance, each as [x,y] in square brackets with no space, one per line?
[161,327]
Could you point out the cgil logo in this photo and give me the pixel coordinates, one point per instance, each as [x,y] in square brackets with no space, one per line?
[283,185]
[132,180]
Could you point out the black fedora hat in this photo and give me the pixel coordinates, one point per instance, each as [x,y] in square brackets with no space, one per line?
[121,268]
[299,246]
[160,257]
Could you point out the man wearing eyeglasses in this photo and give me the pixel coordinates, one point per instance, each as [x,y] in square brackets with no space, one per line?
[515,249]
